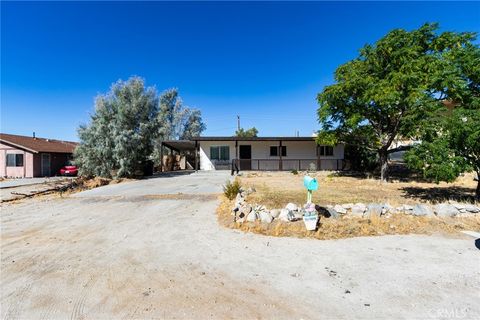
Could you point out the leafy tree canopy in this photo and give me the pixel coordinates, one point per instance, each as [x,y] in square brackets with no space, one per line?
[249,133]
[121,131]
[126,127]
[393,86]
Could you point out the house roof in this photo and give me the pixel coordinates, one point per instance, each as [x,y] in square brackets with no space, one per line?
[37,145]
[253,138]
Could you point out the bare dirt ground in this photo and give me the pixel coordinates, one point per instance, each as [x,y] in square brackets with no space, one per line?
[153,249]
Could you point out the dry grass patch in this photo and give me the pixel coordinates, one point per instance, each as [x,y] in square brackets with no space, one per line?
[348,227]
[276,189]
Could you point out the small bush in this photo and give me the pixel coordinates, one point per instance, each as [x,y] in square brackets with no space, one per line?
[230,189]
[294,171]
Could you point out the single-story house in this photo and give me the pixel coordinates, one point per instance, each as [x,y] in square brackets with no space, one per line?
[266,153]
[27,157]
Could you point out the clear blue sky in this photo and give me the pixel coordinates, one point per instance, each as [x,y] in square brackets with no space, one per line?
[263,61]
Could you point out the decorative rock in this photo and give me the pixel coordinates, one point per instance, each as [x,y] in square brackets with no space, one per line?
[252,216]
[298,215]
[275,213]
[472,209]
[239,217]
[266,217]
[388,209]
[348,206]
[284,215]
[445,210]
[291,216]
[291,207]
[239,197]
[459,206]
[333,213]
[246,208]
[340,209]
[407,207]
[373,210]
[422,210]
[358,209]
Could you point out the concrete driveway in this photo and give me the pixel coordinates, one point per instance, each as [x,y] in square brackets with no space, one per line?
[123,252]
[194,183]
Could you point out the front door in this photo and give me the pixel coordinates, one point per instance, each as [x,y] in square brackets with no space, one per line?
[45,167]
[245,157]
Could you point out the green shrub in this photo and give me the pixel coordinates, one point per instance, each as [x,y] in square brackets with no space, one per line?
[294,171]
[231,189]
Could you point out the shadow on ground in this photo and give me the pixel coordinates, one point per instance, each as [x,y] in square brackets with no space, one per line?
[435,194]
[169,174]
[397,172]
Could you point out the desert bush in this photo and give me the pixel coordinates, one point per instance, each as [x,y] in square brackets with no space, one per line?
[294,171]
[231,189]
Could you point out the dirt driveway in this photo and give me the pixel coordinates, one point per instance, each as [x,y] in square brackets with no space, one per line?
[153,249]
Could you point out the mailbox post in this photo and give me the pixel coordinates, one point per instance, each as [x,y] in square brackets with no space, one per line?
[310,184]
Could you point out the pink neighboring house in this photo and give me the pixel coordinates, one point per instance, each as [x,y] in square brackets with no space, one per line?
[28,157]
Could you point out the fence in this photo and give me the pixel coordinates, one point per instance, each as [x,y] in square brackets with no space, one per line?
[288,164]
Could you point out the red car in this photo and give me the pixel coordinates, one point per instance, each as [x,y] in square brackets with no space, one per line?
[69,170]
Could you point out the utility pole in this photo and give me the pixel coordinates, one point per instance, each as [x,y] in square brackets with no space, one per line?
[238,122]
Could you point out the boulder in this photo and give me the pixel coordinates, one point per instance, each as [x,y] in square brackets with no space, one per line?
[266,217]
[445,210]
[340,209]
[284,215]
[422,210]
[373,209]
[347,205]
[239,217]
[275,213]
[239,202]
[333,213]
[358,209]
[246,208]
[291,216]
[298,215]
[252,216]
[387,208]
[407,207]
[471,208]
[291,207]
[458,206]
[239,197]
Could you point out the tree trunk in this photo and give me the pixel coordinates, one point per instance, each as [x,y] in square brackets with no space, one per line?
[383,165]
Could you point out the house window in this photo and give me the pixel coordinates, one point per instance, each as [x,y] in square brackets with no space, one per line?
[14,160]
[274,151]
[325,150]
[220,153]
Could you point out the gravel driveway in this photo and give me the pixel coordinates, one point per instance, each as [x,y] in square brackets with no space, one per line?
[153,249]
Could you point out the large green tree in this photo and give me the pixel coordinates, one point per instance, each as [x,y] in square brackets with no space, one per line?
[450,137]
[119,138]
[392,86]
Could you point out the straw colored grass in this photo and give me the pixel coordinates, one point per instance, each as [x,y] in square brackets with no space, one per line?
[276,189]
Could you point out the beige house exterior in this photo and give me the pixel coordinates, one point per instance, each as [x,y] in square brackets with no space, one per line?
[267,153]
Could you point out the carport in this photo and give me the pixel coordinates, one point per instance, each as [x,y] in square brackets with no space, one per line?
[186,149]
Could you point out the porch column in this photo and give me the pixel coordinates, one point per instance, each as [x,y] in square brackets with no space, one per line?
[237,163]
[319,162]
[280,165]
[196,155]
